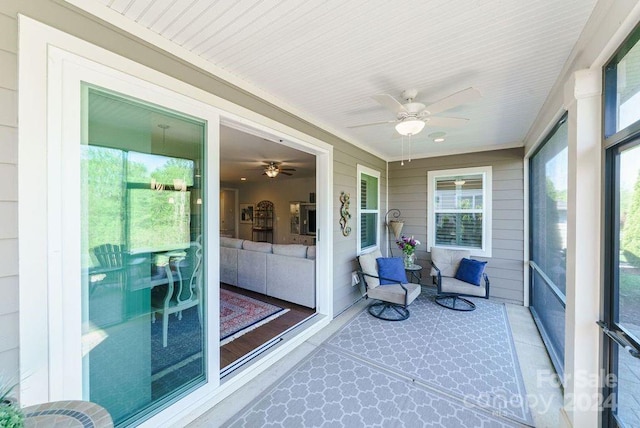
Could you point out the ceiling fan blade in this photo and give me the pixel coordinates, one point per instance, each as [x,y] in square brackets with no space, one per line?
[389,102]
[450,122]
[462,97]
[285,173]
[287,169]
[372,124]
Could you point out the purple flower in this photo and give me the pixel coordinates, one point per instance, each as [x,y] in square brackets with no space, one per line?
[407,245]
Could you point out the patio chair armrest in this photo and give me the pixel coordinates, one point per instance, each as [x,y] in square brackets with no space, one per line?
[486,283]
[433,265]
[394,281]
[438,275]
[99,270]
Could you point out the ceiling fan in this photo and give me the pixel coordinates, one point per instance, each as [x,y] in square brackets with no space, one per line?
[411,117]
[272,169]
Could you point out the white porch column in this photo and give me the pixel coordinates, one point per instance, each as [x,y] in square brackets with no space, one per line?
[582,99]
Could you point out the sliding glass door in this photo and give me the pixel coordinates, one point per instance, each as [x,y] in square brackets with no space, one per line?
[143,254]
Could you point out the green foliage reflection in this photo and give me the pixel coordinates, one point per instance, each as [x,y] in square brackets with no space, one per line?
[124,209]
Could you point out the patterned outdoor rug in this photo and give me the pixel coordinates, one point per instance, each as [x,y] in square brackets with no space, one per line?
[438,368]
[240,314]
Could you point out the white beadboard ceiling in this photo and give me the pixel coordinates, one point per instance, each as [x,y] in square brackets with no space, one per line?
[326,58]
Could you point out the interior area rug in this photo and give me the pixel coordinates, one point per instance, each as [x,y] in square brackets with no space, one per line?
[438,368]
[241,314]
[181,361]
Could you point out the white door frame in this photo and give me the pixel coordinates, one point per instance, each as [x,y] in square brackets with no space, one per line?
[47,57]
[60,280]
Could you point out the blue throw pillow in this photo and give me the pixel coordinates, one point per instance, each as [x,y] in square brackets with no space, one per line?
[391,268]
[470,271]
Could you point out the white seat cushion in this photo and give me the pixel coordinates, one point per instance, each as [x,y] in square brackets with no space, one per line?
[452,285]
[261,247]
[291,250]
[230,242]
[394,293]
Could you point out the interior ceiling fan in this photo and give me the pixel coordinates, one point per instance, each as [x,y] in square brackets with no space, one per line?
[272,169]
[412,116]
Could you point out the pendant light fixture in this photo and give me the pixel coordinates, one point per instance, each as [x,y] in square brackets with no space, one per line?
[272,170]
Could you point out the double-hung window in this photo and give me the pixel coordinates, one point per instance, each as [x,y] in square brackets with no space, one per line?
[368,204]
[459,209]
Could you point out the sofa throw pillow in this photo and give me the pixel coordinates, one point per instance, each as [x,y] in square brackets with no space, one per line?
[291,250]
[470,271]
[391,268]
[230,242]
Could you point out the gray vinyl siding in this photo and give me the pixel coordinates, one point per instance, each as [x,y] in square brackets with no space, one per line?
[408,192]
[9,330]
[345,160]
[66,18]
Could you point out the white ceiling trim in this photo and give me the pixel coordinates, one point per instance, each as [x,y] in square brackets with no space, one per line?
[118,20]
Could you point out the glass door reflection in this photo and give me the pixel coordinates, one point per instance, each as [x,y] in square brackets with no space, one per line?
[142,222]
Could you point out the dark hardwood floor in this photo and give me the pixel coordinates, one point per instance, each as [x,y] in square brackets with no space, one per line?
[243,345]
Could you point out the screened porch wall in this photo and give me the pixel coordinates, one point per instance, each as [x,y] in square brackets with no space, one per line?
[408,193]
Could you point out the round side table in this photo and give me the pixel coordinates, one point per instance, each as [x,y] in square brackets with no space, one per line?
[414,272]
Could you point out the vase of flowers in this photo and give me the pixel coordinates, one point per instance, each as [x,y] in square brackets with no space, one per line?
[408,247]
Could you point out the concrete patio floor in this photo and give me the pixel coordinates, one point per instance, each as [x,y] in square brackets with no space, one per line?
[543,391]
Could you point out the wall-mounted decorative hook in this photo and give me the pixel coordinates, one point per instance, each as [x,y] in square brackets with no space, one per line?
[344,213]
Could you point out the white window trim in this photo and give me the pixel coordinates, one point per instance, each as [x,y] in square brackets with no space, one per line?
[487,186]
[361,169]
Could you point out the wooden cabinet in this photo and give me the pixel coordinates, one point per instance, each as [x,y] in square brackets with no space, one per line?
[262,230]
[294,213]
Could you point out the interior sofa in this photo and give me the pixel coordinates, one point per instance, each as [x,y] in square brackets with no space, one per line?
[284,271]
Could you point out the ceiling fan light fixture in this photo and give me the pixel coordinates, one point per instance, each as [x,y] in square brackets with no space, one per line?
[410,127]
[459,182]
[272,170]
